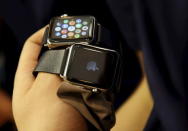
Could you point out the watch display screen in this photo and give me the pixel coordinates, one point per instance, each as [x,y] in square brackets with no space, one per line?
[92,66]
[71,28]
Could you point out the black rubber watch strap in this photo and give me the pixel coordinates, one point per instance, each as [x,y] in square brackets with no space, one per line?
[105,37]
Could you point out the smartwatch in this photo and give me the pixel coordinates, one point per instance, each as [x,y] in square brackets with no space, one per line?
[67,30]
[82,64]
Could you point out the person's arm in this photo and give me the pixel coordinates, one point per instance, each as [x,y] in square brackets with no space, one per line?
[134,113]
[36,106]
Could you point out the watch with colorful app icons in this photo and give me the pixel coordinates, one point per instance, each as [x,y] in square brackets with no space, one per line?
[82,64]
[67,30]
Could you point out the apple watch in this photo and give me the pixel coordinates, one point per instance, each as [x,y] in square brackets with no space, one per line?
[67,30]
[82,64]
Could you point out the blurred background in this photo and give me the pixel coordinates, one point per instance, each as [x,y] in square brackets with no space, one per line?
[21,18]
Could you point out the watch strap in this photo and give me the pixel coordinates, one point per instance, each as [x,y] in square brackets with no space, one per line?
[50,61]
[106,38]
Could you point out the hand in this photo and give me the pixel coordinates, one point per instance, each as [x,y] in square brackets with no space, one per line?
[36,106]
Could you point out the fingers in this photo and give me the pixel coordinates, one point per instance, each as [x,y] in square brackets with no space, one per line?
[28,59]
[30,52]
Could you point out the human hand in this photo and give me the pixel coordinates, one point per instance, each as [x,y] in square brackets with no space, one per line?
[36,106]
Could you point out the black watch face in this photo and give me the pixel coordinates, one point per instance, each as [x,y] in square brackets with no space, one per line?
[91,66]
[70,28]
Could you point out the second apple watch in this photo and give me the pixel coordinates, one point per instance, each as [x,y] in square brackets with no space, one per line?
[67,30]
[82,64]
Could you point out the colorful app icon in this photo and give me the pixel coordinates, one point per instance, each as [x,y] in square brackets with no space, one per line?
[84,33]
[57,28]
[85,22]
[65,26]
[70,34]
[85,28]
[71,28]
[64,36]
[58,24]
[77,36]
[57,34]
[78,25]
[77,31]
[65,21]
[78,21]
[64,31]
[72,23]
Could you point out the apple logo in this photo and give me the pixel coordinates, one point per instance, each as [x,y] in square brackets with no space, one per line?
[92,66]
